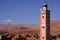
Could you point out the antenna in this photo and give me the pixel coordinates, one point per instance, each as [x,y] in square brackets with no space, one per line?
[44,1]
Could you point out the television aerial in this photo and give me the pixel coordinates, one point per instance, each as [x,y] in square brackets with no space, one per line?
[44,1]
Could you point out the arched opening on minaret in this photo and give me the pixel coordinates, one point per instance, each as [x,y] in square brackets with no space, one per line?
[42,16]
[42,37]
[43,27]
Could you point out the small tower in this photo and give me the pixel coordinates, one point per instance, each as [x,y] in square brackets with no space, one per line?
[44,23]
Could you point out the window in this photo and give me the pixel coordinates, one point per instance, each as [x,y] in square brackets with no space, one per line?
[42,16]
[42,37]
[43,27]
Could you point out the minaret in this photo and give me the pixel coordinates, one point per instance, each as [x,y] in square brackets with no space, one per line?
[44,23]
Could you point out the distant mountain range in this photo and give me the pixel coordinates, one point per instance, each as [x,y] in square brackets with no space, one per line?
[55,27]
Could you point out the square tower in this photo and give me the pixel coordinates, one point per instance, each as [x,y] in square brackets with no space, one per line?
[45,23]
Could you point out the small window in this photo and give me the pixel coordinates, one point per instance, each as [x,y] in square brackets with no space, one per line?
[42,16]
[42,37]
[43,27]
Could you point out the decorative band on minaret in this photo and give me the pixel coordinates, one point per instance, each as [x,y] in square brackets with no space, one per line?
[44,23]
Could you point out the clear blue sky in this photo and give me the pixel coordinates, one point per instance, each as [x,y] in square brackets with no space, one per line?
[26,11]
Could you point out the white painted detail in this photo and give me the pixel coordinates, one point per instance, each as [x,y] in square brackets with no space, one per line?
[44,8]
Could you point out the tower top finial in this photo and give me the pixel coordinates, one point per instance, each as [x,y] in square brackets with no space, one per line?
[45,4]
